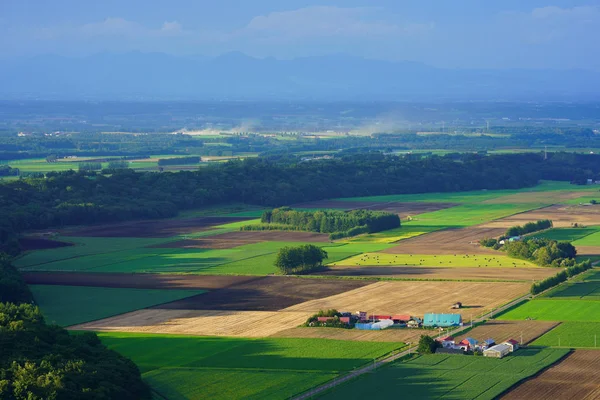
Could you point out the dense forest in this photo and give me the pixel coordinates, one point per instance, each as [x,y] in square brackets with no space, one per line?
[86,197]
[40,361]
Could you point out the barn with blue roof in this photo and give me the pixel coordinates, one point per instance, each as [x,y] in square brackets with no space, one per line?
[442,320]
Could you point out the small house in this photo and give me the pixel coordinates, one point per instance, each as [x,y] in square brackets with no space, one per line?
[379,317]
[401,318]
[324,319]
[456,305]
[512,344]
[446,341]
[442,320]
[468,343]
[497,351]
[345,320]
[414,322]
[487,343]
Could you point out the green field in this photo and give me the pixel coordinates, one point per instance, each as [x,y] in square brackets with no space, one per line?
[575,290]
[459,260]
[572,334]
[567,234]
[229,368]
[406,231]
[590,240]
[555,310]
[70,305]
[449,376]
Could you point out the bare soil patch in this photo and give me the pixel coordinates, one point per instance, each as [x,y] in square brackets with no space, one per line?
[420,297]
[268,293]
[449,241]
[504,330]
[235,239]
[199,322]
[404,209]
[484,274]
[588,250]
[577,376]
[37,243]
[157,228]
[561,216]
[387,335]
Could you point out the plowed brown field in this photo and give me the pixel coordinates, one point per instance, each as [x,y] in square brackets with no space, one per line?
[418,298]
[504,330]
[199,322]
[156,228]
[561,216]
[575,377]
[449,241]
[443,273]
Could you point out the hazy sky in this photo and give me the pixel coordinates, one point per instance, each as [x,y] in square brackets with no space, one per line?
[445,33]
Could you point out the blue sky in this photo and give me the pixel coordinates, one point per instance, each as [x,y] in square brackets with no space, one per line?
[444,33]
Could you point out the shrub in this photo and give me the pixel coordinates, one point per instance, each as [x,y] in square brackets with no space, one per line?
[427,345]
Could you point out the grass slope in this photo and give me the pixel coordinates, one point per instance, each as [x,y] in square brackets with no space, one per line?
[234,368]
[573,335]
[70,305]
[449,376]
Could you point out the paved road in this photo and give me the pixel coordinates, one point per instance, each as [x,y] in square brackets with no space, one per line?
[376,364]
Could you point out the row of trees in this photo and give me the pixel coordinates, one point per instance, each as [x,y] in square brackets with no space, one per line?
[529,227]
[543,252]
[300,260]
[64,198]
[329,221]
[560,277]
[40,361]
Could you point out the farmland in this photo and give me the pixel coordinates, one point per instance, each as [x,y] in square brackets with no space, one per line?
[418,298]
[572,335]
[70,305]
[228,368]
[451,377]
[427,260]
[575,377]
[556,310]
[576,290]
[501,331]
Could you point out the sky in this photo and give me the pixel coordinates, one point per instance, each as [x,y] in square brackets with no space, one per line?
[442,33]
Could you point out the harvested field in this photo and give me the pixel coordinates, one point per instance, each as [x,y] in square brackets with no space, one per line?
[449,241]
[588,250]
[235,239]
[200,322]
[575,377]
[387,335]
[443,273]
[418,298]
[37,243]
[536,197]
[157,228]
[504,330]
[404,209]
[225,292]
[561,216]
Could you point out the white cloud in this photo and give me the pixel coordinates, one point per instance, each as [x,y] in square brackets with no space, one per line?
[321,21]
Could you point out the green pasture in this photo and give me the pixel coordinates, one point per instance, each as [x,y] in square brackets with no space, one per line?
[584,199]
[406,231]
[589,290]
[555,310]
[572,335]
[233,368]
[472,196]
[589,240]
[567,234]
[449,376]
[458,260]
[70,305]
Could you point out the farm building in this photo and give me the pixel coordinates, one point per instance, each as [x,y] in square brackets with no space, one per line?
[446,341]
[497,351]
[414,322]
[401,318]
[442,320]
[512,344]
[487,343]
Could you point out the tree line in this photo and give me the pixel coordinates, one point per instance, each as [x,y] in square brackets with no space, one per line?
[86,197]
[347,223]
[40,361]
[560,277]
[300,259]
[529,227]
[544,252]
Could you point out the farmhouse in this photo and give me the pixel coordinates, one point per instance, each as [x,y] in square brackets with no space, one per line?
[497,351]
[442,320]
[446,341]
[512,344]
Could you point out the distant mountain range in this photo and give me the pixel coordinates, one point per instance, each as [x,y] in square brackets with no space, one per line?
[237,76]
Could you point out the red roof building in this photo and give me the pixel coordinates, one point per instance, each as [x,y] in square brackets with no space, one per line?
[401,317]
